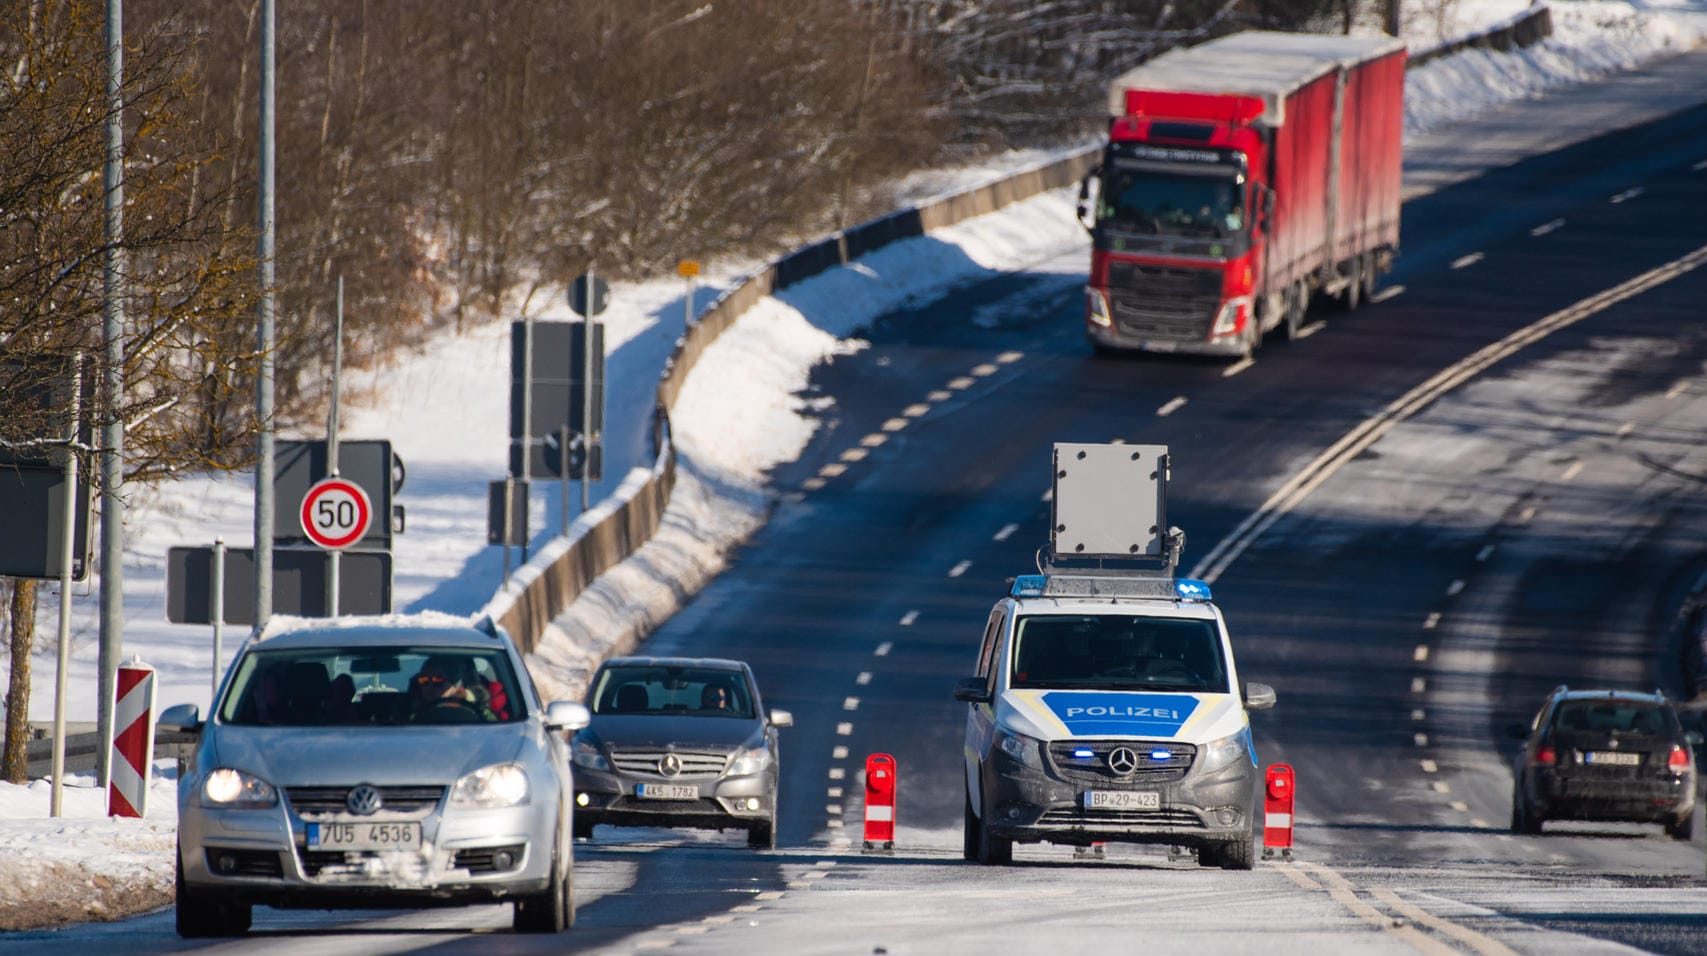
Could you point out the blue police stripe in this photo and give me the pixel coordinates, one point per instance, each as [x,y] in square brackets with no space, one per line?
[1094,714]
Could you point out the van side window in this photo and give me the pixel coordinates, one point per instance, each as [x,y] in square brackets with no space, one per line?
[987,652]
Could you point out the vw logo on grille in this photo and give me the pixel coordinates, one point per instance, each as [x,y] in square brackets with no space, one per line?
[670,765]
[363,800]
[1122,760]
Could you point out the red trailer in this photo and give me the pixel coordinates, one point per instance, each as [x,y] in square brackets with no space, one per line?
[1242,176]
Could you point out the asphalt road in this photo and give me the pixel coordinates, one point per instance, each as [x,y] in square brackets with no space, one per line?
[1535,525]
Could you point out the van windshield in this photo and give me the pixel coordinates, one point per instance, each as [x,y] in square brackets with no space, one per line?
[1118,652]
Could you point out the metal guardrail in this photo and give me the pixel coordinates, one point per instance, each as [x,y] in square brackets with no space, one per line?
[82,748]
[559,581]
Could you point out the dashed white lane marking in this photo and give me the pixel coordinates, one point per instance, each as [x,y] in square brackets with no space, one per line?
[746,908]
[1460,806]
[916,410]
[1387,293]
[768,895]
[1699,166]
[1174,404]
[908,618]
[863,679]
[720,919]
[1479,823]
[1311,329]
[1432,621]
[1420,654]
[1524,515]
[1238,367]
[694,930]
[1418,685]
[1484,554]
[1678,388]
[844,729]
[894,424]
[1628,194]
[1429,766]
[835,810]
[833,470]
[655,944]
[1625,429]
[1441,786]
[939,395]
[839,753]
[1547,227]
[1465,262]
[834,793]
[850,703]
[1421,740]
[1455,587]
[959,569]
[1571,472]
[874,439]
[963,382]
[855,454]
[884,648]
[812,484]
[1008,358]
[837,773]
[833,824]
[1048,494]
[1419,714]
[1117,440]
[1006,532]
[983,369]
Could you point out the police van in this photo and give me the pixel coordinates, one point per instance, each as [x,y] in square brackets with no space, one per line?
[1106,705]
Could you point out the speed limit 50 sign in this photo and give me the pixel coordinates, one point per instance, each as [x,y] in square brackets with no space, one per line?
[335,513]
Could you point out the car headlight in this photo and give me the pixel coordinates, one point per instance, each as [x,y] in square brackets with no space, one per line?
[500,785]
[228,789]
[587,754]
[1026,750]
[750,762]
[1216,754]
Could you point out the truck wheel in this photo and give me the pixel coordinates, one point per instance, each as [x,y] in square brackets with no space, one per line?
[1296,299]
[1371,277]
[1352,297]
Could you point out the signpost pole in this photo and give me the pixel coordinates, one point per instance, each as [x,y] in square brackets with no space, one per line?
[586,426]
[509,500]
[66,548]
[563,473]
[218,609]
[333,567]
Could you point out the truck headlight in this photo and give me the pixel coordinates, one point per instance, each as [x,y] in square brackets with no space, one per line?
[1026,750]
[500,785]
[750,762]
[587,754]
[1217,754]
[1233,314]
[1096,307]
[228,789]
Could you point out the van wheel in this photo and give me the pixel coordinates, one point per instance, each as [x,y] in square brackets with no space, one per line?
[992,849]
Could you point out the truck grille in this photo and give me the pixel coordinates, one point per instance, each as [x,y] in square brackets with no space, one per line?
[332,799]
[1163,302]
[694,764]
[1095,768]
[1121,819]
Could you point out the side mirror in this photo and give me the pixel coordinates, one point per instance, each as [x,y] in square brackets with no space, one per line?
[973,690]
[566,715]
[1517,731]
[1266,211]
[1085,197]
[1258,696]
[182,717]
[781,718]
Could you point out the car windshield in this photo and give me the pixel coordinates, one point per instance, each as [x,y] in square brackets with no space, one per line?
[1612,716]
[368,686]
[1118,652]
[672,690]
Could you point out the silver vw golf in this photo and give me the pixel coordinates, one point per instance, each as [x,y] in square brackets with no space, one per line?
[376,762]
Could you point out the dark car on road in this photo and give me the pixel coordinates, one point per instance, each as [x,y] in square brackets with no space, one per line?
[1605,755]
[678,742]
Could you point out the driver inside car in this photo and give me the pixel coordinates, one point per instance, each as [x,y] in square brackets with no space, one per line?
[447,691]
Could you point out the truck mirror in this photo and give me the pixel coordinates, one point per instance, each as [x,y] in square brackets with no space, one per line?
[1085,198]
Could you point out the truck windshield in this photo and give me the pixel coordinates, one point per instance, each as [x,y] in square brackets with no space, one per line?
[1151,201]
[1118,652]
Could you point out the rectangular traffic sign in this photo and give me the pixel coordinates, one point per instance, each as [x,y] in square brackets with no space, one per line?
[299,583]
[300,465]
[33,512]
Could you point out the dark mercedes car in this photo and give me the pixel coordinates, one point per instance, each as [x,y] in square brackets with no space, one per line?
[678,742]
[1605,755]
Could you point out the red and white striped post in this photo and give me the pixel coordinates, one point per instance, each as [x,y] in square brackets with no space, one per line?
[1277,812]
[133,740]
[880,802]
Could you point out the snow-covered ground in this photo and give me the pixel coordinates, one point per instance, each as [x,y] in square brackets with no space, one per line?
[445,410]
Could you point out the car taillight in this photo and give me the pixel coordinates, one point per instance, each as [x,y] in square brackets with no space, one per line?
[1678,762]
[1545,756]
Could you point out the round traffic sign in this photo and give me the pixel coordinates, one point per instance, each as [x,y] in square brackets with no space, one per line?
[335,513]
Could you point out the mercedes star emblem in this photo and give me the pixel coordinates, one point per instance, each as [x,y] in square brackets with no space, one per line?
[364,800]
[670,765]
[1122,760]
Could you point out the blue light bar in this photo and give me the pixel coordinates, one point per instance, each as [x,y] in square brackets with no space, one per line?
[1083,753]
[1161,755]
[1191,589]
[1029,585]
